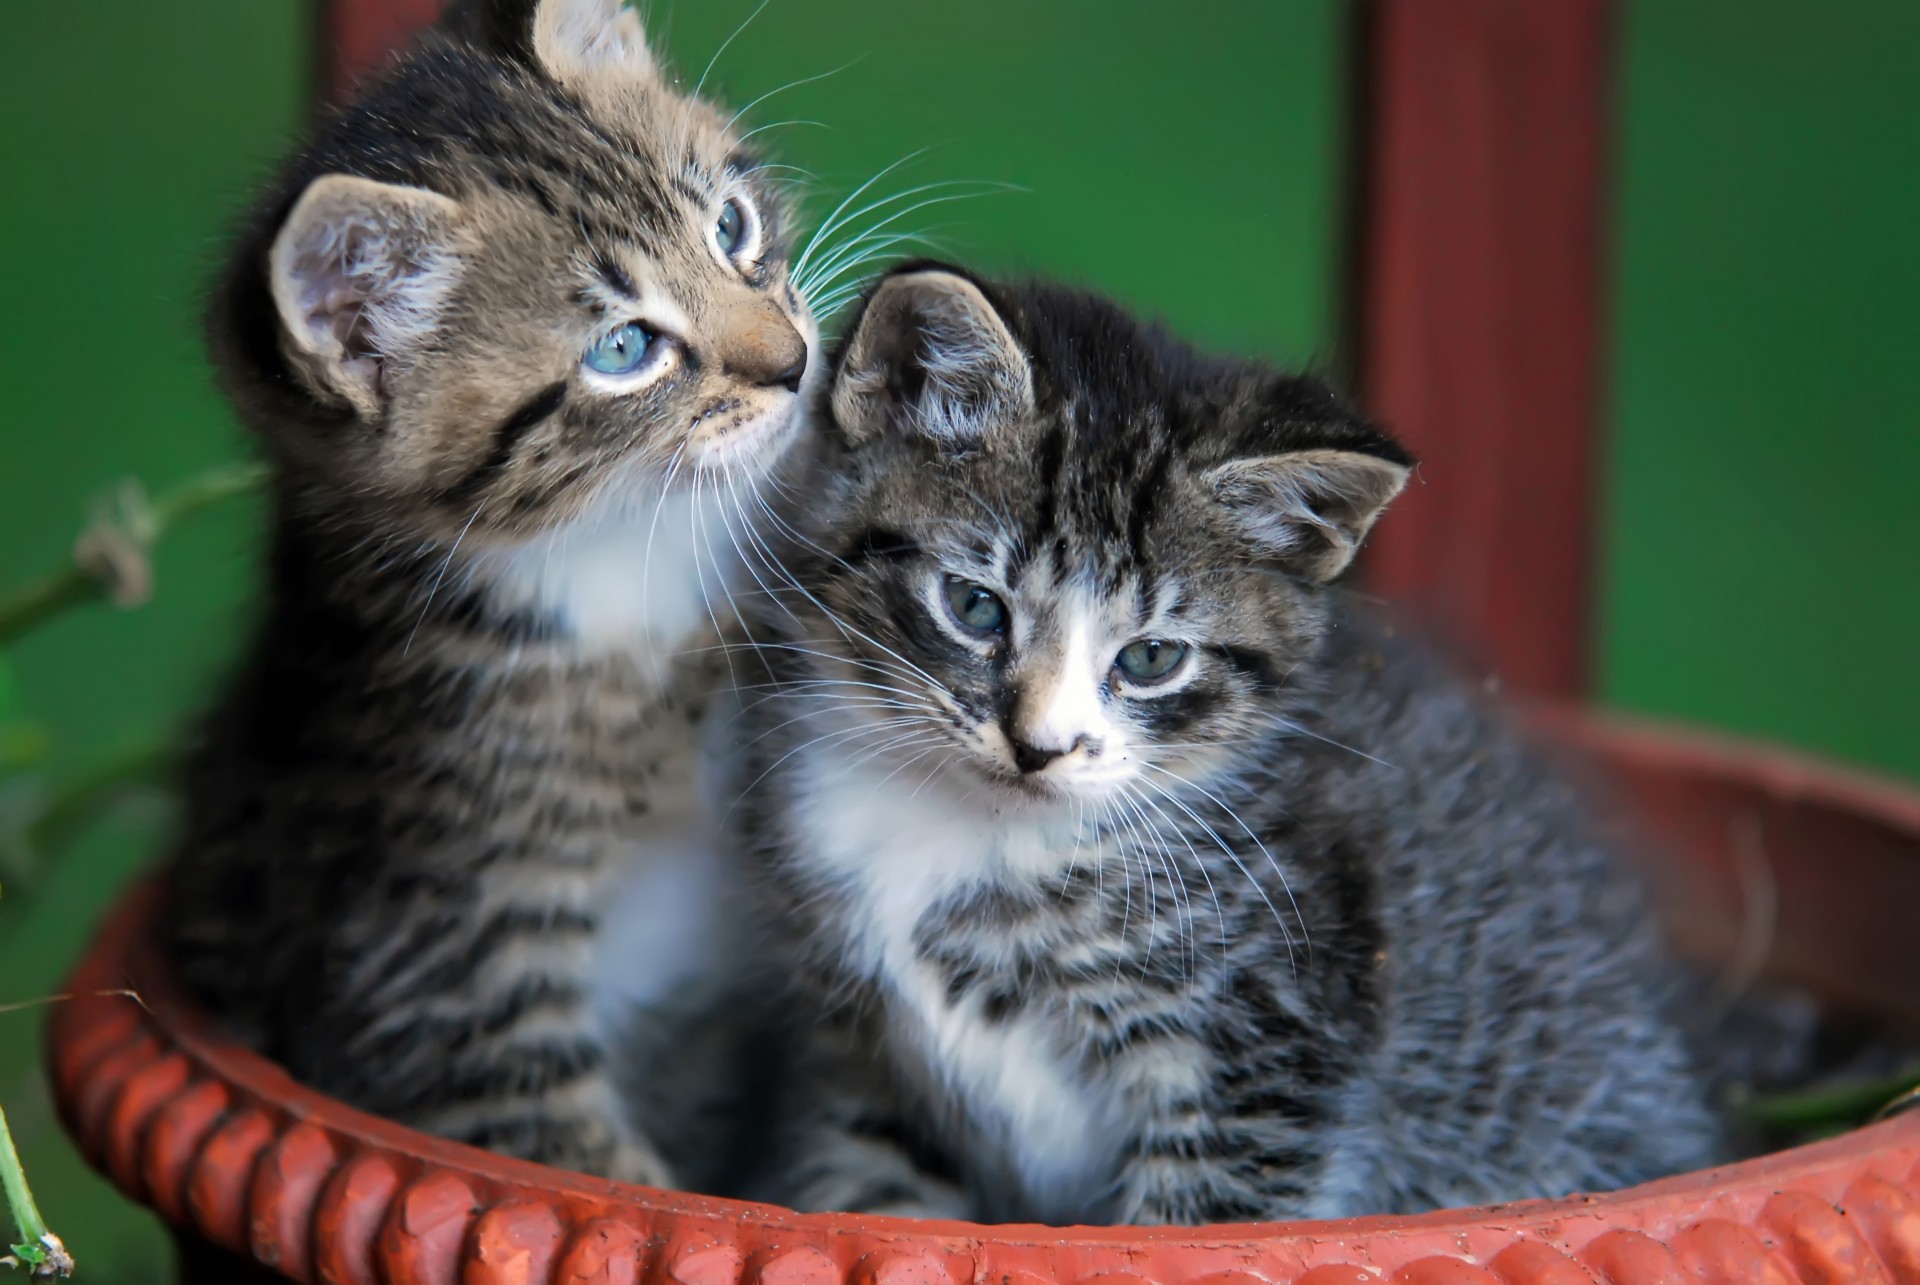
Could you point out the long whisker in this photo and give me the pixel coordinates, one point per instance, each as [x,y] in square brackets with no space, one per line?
[1247,830]
[892,721]
[1233,856]
[1176,888]
[832,258]
[1126,866]
[856,663]
[1287,724]
[706,595]
[792,84]
[1183,889]
[800,264]
[851,632]
[866,729]
[782,124]
[873,247]
[702,82]
[440,575]
[745,561]
[646,555]
[825,299]
[902,766]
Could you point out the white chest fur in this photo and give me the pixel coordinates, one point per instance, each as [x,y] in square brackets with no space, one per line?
[646,578]
[673,929]
[902,853]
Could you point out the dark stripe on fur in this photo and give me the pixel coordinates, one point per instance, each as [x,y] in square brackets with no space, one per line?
[878,543]
[1255,665]
[541,407]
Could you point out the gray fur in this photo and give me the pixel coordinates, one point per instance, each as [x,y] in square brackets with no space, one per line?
[1311,934]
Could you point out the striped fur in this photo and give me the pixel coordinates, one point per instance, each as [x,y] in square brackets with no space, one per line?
[449,847]
[1304,932]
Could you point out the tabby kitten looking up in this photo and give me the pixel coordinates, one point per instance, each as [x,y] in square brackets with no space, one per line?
[1140,877]
[516,333]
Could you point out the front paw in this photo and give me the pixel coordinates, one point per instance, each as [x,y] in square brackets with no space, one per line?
[636,1162]
[940,1213]
[928,1199]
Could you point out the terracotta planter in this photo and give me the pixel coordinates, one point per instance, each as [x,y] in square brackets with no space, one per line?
[254,1170]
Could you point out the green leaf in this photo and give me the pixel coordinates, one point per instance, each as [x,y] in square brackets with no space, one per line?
[29,1255]
[8,698]
[21,745]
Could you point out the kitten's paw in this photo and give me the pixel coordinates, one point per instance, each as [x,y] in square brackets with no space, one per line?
[637,1163]
[935,1200]
[937,1212]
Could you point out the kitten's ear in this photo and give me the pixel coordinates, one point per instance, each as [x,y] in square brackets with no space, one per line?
[931,355]
[360,273]
[1308,509]
[579,40]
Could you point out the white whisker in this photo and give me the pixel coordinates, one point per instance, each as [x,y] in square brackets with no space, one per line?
[702,82]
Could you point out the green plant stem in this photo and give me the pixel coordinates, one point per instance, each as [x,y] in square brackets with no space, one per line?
[73,585]
[1845,1105]
[68,587]
[79,803]
[34,1233]
[76,803]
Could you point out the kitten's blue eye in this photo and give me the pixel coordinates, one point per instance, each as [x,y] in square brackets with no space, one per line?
[731,227]
[620,351]
[1151,660]
[977,609]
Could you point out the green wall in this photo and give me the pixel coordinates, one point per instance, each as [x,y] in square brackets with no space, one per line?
[1191,175]
[1764,512]
[127,131]
[1185,157]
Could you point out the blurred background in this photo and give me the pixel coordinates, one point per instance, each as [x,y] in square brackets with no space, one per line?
[1757,445]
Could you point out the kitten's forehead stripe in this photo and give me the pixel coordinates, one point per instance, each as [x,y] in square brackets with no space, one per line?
[616,277]
[1052,456]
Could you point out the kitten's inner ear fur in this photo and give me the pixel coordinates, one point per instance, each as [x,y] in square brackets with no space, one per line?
[578,41]
[931,356]
[1308,509]
[360,274]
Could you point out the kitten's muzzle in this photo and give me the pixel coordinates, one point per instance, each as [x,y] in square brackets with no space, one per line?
[763,347]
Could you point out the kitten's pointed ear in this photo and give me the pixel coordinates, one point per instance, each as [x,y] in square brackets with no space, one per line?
[360,273]
[932,356]
[1308,509]
[580,40]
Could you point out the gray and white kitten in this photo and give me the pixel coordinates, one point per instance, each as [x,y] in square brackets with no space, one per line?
[1130,874]
[516,335]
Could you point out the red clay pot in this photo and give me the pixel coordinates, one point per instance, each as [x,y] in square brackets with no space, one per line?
[257,1173]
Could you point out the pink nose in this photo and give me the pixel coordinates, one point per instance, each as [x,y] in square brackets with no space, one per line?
[764,348]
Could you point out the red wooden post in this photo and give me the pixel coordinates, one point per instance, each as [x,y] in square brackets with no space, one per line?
[1478,306]
[356,34]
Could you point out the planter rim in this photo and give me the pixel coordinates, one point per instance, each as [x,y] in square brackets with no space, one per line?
[223,1142]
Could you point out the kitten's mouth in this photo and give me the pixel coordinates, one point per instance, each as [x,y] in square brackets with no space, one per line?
[1028,787]
[736,430]
[1041,788]
[1078,787]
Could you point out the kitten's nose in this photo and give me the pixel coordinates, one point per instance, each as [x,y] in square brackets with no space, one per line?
[763,348]
[1031,758]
